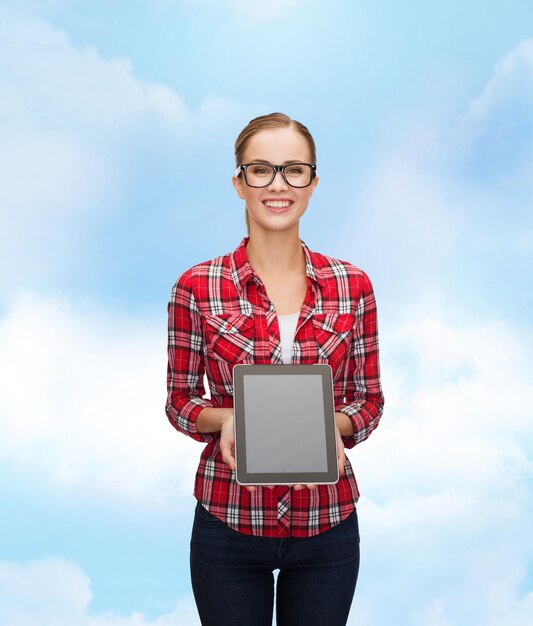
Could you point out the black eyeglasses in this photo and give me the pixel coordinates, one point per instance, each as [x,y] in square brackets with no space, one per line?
[262,174]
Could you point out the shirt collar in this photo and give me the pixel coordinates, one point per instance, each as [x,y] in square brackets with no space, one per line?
[242,271]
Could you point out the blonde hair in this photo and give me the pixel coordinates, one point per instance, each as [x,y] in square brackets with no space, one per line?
[268,122]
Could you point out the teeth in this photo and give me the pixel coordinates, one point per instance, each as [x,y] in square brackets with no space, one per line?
[278,205]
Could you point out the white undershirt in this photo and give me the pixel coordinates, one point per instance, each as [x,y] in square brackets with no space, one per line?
[287,330]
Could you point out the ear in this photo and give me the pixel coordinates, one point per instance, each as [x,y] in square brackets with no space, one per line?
[314,183]
[239,186]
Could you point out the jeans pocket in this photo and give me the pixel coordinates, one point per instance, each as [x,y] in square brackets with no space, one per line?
[203,516]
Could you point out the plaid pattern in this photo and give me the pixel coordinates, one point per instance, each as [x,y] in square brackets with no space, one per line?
[219,315]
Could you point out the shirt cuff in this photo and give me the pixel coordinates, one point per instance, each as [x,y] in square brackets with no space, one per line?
[185,419]
[355,412]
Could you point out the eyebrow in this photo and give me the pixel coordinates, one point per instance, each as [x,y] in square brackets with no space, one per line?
[284,162]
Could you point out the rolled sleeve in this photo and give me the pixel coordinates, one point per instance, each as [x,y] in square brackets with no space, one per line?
[364,400]
[185,371]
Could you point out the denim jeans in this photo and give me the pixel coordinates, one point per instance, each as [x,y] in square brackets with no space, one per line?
[233,581]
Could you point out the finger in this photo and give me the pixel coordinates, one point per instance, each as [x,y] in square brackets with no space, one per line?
[341,455]
[312,486]
[342,460]
[250,488]
[227,457]
[298,487]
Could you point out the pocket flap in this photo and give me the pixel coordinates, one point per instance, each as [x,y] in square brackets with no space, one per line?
[334,322]
[228,323]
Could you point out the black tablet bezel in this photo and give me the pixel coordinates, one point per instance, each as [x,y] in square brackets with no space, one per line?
[331,475]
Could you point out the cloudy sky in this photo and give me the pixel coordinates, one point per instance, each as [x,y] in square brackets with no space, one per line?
[117,125]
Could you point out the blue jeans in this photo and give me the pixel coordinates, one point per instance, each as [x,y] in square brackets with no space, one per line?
[233,581]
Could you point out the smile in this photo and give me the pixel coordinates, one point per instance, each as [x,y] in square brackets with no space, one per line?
[278,205]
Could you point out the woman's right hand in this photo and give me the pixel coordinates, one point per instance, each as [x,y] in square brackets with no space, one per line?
[227,443]
[227,439]
[227,446]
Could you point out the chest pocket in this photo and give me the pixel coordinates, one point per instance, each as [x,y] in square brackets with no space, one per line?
[230,337]
[333,333]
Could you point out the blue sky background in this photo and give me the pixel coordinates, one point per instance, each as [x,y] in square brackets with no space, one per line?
[117,127]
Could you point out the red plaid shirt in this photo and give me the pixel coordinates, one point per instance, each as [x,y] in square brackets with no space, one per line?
[219,315]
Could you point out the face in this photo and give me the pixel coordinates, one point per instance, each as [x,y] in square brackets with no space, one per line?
[275,146]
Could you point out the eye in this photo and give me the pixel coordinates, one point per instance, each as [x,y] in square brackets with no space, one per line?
[260,170]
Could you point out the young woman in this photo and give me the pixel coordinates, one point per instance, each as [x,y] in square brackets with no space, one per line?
[272,300]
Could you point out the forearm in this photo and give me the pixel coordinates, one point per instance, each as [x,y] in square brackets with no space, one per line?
[210,420]
[344,424]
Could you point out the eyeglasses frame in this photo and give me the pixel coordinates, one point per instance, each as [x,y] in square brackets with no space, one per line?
[277,168]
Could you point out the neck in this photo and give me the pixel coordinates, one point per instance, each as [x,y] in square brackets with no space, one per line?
[276,254]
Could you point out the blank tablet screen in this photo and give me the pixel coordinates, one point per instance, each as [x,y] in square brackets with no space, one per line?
[284,424]
[285,429]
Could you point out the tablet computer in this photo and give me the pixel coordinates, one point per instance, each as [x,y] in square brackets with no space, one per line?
[284,420]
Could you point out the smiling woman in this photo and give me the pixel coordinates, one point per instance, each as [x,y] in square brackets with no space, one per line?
[272,300]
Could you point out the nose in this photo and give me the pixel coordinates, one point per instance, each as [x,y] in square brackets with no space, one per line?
[278,181]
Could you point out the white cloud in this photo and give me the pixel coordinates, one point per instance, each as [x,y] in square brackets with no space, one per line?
[83,400]
[56,592]
[72,123]
[496,132]
[445,207]
[511,85]
[64,115]
[46,75]
[457,394]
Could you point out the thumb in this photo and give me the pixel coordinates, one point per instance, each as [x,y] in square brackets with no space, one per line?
[227,456]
